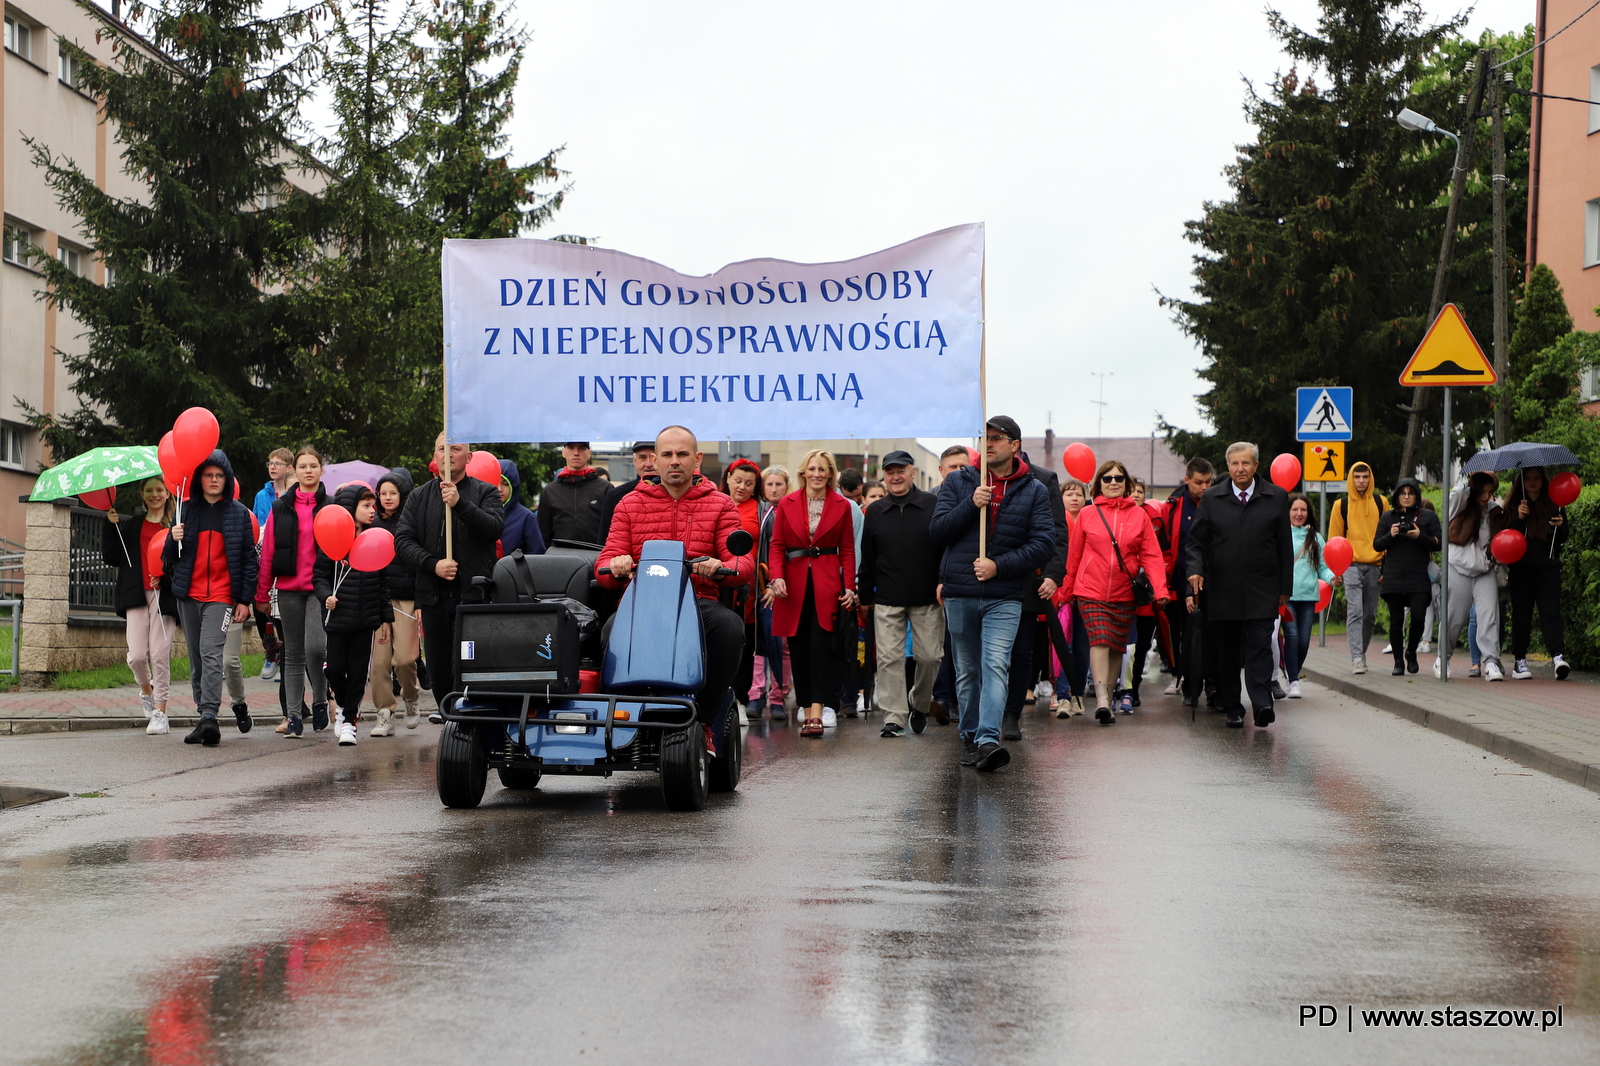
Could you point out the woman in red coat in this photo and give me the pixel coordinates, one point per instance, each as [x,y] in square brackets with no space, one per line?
[1101,585]
[813,567]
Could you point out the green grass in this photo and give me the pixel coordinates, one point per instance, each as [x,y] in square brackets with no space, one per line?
[7,682]
[112,676]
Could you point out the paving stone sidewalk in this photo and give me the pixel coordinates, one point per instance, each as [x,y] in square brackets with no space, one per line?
[118,708]
[1545,724]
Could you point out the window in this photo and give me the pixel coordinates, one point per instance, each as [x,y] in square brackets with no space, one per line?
[1591,233]
[18,240]
[12,439]
[69,68]
[1594,94]
[19,37]
[72,258]
[1589,384]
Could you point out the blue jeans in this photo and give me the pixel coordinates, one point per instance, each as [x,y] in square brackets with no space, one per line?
[981,634]
[1297,636]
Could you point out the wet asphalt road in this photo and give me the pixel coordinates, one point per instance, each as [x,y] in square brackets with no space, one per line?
[1156,891]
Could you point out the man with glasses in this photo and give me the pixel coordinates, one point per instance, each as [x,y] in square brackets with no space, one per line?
[984,589]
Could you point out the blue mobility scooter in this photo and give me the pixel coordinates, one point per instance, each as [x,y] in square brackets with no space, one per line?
[519,659]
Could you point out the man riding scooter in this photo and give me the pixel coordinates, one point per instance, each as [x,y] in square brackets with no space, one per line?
[679,504]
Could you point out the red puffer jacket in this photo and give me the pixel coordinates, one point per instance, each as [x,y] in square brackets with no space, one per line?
[702,519]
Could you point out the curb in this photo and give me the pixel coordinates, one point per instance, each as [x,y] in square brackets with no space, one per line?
[24,726]
[13,795]
[1498,740]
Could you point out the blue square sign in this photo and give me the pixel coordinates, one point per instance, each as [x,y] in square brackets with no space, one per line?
[1323,412]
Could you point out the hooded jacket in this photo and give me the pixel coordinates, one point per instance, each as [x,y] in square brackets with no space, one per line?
[477,521]
[702,518]
[569,507]
[402,576]
[1021,536]
[1093,572]
[363,598]
[1355,518]
[1405,558]
[218,542]
[522,525]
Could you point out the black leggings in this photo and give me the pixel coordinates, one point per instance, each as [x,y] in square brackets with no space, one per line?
[349,656]
[1398,603]
[1536,586]
[818,670]
[1145,630]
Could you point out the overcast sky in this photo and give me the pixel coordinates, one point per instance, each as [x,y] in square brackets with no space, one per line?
[1083,134]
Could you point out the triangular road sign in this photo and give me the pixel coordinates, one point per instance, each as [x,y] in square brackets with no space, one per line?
[1448,355]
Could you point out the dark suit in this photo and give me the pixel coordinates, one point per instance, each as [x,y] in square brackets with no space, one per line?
[1245,552]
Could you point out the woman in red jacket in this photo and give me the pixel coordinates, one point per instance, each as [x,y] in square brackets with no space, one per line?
[813,548]
[740,481]
[1101,585]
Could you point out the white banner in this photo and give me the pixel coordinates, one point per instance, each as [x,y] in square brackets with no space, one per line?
[549,341]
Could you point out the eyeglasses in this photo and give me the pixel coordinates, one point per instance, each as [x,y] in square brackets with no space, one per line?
[1114,479]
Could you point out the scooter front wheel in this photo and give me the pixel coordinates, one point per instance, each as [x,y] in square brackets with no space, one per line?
[683,768]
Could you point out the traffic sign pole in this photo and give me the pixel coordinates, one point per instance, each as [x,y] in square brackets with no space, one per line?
[1322,633]
[1444,549]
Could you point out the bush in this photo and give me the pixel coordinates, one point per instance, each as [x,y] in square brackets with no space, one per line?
[1580,581]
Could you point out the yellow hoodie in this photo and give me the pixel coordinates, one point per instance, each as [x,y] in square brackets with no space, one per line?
[1355,518]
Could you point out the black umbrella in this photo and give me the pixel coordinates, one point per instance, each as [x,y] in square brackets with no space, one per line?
[1518,456]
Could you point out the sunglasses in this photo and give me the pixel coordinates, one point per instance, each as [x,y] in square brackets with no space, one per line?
[1114,479]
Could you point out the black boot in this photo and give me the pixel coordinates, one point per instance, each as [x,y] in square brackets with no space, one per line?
[1011,726]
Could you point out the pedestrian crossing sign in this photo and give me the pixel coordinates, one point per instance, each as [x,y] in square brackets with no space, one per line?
[1449,355]
[1323,413]
[1324,462]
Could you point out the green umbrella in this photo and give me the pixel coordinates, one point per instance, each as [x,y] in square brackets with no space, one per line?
[98,468]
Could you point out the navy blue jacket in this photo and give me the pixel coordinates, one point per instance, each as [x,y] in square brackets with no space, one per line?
[1021,538]
[227,516]
[522,525]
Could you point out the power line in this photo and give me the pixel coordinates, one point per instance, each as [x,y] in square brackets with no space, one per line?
[1550,38]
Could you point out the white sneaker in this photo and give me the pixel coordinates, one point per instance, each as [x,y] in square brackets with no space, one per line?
[1294,690]
[1176,686]
[1437,660]
[413,716]
[744,719]
[1358,666]
[1388,649]
[347,733]
[1520,671]
[147,704]
[268,670]
[1562,669]
[1492,672]
[1044,692]
[830,718]
[158,724]
[1424,648]
[385,726]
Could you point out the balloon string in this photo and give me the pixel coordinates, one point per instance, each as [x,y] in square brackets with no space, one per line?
[183,490]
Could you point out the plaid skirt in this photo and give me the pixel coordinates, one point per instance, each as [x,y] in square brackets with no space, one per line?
[1106,623]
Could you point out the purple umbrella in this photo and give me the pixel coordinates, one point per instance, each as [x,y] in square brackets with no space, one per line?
[336,474]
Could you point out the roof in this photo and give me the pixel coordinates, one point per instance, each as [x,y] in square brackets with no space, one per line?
[1145,457]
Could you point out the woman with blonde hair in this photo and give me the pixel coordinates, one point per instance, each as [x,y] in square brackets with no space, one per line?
[1112,541]
[813,547]
[144,598]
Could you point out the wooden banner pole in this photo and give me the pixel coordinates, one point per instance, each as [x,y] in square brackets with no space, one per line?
[449,523]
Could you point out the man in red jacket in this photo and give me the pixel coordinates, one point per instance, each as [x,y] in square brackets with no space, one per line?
[679,504]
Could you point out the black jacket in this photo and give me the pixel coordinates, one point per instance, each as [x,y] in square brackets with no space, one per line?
[1246,554]
[1405,559]
[419,542]
[286,529]
[402,575]
[608,505]
[1021,539]
[1055,568]
[899,560]
[119,547]
[569,507]
[363,597]
[232,519]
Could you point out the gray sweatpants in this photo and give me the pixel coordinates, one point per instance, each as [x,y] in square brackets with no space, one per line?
[205,630]
[1361,600]
[305,649]
[1483,593]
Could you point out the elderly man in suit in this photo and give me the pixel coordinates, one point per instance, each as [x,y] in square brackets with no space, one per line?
[1241,553]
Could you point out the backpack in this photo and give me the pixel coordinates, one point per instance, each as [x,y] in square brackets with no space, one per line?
[1344,516]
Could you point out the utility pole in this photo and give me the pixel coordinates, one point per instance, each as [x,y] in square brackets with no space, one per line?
[1497,179]
[1100,425]
[1447,247]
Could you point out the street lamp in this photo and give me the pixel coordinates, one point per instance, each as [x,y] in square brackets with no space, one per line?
[1417,123]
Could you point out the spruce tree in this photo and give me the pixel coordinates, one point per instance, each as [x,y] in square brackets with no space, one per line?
[1319,269]
[194,310]
[1539,320]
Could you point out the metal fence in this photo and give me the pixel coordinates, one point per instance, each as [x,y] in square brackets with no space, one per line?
[92,585]
[10,569]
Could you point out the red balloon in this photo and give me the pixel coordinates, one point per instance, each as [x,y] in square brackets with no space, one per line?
[1338,554]
[373,549]
[1508,546]
[194,436]
[335,531]
[1079,461]
[172,468]
[1324,594]
[236,488]
[1286,472]
[99,499]
[485,467]
[1564,488]
[152,558]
